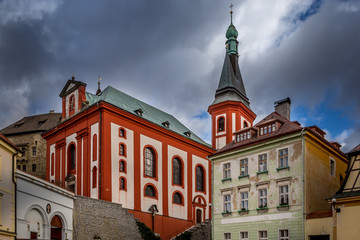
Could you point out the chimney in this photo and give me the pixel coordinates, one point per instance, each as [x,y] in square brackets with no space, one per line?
[283,107]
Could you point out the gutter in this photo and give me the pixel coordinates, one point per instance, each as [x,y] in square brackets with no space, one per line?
[303,181]
[15,187]
[212,200]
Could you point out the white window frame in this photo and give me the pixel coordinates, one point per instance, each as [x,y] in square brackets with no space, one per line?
[227,170]
[244,237]
[262,169]
[225,236]
[263,238]
[332,170]
[285,237]
[262,197]
[283,156]
[284,193]
[243,200]
[227,202]
[246,168]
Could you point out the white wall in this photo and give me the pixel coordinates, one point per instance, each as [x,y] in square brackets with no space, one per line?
[33,195]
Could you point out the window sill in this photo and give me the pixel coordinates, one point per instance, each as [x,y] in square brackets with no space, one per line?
[262,172]
[226,213]
[283,207]
[262,210]
[282,168]
[226,179]
[244,176]
[243,212]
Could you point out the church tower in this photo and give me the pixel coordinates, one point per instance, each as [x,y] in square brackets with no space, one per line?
[230,110]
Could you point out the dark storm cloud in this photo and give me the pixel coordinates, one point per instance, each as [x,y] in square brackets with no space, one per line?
[170,53]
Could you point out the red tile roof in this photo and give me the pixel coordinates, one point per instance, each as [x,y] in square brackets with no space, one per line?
[286,128]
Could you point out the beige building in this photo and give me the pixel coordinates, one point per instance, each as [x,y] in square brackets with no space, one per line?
[26,135]
[346,202]
[8,152]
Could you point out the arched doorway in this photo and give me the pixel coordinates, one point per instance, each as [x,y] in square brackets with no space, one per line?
[199,208]
[56,228]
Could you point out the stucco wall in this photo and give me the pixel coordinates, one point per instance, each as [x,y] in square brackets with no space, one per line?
[7,192]
[274,218]
[319,183]
[104,219]
[319,226]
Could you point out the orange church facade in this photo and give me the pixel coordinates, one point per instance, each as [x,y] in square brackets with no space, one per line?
[113,147]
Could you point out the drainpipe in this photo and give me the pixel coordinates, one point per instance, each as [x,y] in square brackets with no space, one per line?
[15,187]
[212,200]
[303,181]
[100,138]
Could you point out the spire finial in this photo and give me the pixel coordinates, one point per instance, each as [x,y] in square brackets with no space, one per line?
[231,11]
[98,90]
[73,76]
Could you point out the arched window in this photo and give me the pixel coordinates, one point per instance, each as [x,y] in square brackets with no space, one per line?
[245,124]
[94,147]
[150,168]
[200,178]
[72,103]
[177,171]
[150,191]
[122,183]
[94,177]
[71,158]
[122,150]
[221,124]
[177,198]
[122,166]
[122,133]
[52,164]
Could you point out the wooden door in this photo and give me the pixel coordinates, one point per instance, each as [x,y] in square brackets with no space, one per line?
[198,216]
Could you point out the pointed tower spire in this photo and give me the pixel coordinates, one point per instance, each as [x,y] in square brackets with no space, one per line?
[98,90]
[230,110]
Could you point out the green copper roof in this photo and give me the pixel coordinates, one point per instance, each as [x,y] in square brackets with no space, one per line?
[149,113]
[231,32]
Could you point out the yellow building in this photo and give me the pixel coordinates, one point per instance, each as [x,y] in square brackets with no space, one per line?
[8,152]
[346,202]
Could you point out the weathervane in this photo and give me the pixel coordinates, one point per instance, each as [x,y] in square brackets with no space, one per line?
[231,10]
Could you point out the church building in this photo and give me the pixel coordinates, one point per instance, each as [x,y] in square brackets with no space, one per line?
[114,147]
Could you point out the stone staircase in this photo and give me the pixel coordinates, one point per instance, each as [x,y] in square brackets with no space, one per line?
[200,231]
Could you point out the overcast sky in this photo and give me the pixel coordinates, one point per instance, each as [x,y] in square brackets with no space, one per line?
[170,54]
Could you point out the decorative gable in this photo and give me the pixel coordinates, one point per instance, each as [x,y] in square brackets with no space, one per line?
[73,96]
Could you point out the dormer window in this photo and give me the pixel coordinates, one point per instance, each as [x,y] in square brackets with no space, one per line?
[139,112]
[243,136]
[188,133]
[268,129]
[18,125]
[166,124]
[41,122]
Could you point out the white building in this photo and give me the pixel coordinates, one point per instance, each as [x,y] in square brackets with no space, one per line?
[8,151]
[44,210]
